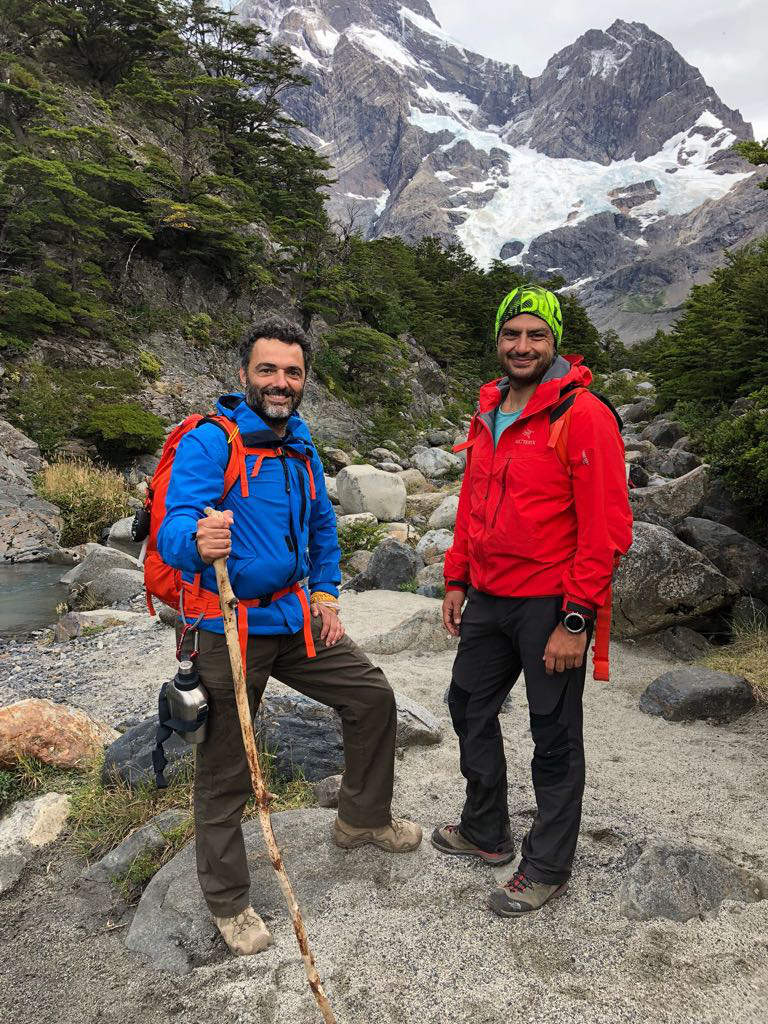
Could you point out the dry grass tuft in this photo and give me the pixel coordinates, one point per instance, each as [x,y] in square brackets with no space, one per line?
[90,497]
[746,656]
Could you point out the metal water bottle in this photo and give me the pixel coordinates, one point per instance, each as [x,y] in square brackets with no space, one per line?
[188,702]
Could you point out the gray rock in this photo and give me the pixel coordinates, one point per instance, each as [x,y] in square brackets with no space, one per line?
[637,411]
[634,444]
[674,499]
[119,537]
[359,560]
[99,559]
[129,758]
[424,504]
[737,557]
[150,838]
[326,791]
[392,564]
[662,432]
[75,624]
[330,486]
[423,631]
[367,489]
[684,643]
[676,463]
[30,528]
[356,517]
[686,694]
[444,516]
[385,455]
[682,882]
[29,825]
[114,586]
[431,574]
[20,447]
[663,582]
[716,504]
[388,467]
[682,444]
[304,735]
[638,476]
[437,463]
[434,544]
[415,482]
[338,458]
[436,590]
[439,437]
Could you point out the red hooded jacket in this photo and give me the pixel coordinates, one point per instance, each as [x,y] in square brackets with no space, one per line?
[527,526]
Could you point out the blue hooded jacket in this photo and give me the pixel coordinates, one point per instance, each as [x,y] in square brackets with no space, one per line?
[279,535]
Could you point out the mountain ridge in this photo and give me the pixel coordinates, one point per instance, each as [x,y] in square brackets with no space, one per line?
[426,137]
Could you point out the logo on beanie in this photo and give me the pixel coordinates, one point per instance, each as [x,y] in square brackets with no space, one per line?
[534,300]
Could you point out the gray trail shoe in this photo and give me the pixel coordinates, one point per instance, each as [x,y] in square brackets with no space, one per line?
[523,895]
[448,839]
[245,933]
[399,836]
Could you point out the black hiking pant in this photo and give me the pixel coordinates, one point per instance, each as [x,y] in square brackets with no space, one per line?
[500,636]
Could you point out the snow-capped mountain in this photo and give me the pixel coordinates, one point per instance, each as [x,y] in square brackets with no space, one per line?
[615,158]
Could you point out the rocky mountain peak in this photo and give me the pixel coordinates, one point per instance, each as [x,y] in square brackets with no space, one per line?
[616,138]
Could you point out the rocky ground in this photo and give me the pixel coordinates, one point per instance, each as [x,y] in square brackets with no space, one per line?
[409,939]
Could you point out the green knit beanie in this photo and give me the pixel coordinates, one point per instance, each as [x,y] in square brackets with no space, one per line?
[530,298]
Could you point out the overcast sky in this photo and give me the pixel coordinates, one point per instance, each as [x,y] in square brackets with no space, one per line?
[727,40]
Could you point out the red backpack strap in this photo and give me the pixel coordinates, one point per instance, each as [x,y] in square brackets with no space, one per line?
[235,468]
[559,425]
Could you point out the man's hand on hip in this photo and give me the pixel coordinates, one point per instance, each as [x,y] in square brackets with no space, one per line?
[213,538]
[564,650]
[331,630]
[452,605]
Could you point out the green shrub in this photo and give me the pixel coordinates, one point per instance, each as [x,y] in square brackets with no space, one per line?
[149,363]
[359,536]
[737,449]
[123,430]
[51,405]
[90,498]
[618,387]
[198,328]
[364,365]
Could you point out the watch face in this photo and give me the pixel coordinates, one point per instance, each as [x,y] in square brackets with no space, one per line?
[575,622]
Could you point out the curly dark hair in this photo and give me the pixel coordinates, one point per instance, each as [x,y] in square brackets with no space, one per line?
[275,327]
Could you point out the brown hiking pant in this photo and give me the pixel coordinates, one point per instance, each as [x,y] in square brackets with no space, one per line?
[340,676]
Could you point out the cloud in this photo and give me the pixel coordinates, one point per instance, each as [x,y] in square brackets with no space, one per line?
[722,39]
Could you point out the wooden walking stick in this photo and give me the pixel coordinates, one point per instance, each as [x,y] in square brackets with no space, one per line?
[228,603]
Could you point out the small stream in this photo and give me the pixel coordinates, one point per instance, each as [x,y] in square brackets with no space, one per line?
[29,593]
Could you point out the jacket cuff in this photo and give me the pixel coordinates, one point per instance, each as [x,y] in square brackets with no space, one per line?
[324,588]
[582,607]
[456,585]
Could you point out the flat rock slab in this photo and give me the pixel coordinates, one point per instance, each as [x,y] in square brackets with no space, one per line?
[30,825]
[174,930]
[681,882]
[687,694]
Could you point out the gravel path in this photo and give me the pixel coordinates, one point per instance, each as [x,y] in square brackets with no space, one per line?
[408,940]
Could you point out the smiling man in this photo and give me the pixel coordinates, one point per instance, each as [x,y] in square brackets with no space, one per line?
[543,517]
[279,529]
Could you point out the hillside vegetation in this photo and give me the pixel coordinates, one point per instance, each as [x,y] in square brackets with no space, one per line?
[150,133]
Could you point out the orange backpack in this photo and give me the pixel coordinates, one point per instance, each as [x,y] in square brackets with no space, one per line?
[161,580]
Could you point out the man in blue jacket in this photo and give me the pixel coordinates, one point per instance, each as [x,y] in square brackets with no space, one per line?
[278,530]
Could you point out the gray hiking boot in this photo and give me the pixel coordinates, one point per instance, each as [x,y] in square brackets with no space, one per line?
[523,895]
[448,839]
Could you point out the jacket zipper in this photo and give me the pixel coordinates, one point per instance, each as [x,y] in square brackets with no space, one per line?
[501,498]
[294,540]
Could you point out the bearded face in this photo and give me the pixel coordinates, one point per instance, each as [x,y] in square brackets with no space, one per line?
[274,381]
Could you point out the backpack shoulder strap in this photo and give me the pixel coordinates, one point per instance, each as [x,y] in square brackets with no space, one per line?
[235,468]
[560,418]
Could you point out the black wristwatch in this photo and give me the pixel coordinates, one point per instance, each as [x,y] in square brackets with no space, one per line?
[574,622]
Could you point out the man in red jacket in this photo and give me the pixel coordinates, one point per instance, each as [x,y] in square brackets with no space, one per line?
[543,518]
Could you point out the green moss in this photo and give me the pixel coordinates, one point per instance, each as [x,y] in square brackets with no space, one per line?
[123,430]
[643,303]
[149,363]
